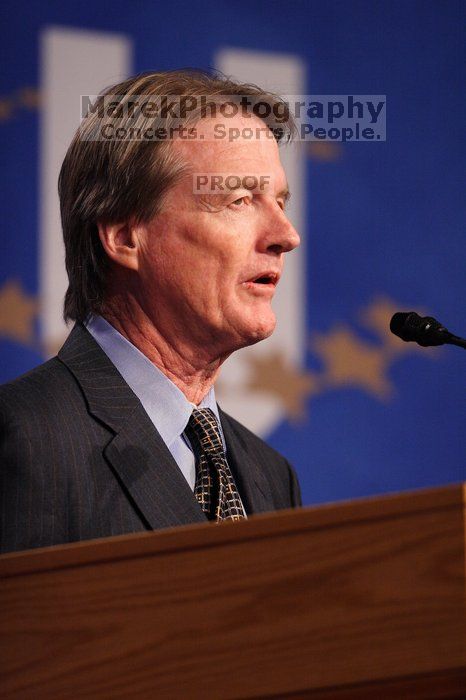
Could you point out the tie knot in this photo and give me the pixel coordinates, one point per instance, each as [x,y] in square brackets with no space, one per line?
[203,429]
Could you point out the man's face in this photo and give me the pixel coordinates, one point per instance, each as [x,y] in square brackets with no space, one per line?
[203,254]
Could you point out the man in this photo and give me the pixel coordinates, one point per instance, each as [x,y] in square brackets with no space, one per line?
[121,431]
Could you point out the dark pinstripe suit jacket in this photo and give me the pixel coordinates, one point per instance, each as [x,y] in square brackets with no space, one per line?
[80,458]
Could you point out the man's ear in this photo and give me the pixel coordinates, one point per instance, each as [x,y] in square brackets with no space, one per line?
[120,242]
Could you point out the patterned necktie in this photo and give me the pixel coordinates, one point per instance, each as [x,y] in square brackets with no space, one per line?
[215,487]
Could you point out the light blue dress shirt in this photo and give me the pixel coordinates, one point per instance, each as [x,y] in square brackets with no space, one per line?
[165,404]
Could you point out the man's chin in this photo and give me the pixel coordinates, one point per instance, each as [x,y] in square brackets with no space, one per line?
[261,329]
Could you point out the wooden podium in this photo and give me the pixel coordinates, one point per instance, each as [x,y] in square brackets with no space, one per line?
[356,600]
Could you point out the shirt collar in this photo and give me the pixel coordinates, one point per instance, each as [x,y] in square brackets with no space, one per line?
[167,406]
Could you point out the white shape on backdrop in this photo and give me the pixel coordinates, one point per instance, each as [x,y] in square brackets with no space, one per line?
[73,63]
[261,412]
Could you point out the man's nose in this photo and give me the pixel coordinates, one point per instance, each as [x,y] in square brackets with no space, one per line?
[280,236]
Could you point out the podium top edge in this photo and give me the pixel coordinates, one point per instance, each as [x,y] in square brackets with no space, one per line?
[264,525]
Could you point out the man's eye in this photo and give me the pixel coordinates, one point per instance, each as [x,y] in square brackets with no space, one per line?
[241,201]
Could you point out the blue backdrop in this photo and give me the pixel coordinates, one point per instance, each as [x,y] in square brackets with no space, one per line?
[385,221]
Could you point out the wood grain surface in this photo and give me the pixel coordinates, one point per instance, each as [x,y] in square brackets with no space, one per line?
[360,598]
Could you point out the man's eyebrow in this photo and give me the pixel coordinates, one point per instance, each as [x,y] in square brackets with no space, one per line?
[283,194]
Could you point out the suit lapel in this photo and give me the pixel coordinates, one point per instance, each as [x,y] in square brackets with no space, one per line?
[139,457]
[252,484]
[151,476]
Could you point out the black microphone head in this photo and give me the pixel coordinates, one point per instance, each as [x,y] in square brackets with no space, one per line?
[425,330]
[404,324]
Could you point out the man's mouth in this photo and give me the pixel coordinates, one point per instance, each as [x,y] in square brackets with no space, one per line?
[266,278]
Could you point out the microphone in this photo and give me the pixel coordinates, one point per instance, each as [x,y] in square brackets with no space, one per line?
[424,330]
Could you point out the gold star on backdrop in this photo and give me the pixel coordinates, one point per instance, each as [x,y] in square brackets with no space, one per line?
[377,316]
[324,151]
[350,361]
[17,313]
[26,97]
[6,108]
[29,97]
[273,375]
